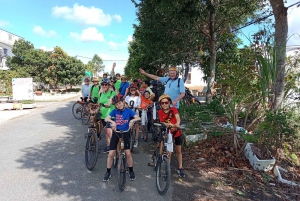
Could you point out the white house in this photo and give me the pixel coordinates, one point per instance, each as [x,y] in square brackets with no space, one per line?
[7,41]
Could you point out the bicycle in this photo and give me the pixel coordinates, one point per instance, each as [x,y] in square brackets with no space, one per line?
[78,107]
[85,115]
[120,157]
[93,137]
[132,135]
[161,160]
[144,123]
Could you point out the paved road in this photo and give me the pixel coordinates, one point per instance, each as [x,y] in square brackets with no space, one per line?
[42,158]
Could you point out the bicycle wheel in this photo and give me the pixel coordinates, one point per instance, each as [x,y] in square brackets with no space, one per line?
[122,173]
[132,139]
[155,158]
[91,150]
[155,133]
[76,110]
[85,115]
[116,158]
[99,127]
[163,175]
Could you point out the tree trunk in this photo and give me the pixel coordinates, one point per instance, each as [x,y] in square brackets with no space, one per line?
[213,53]
[186,71]
[281,30]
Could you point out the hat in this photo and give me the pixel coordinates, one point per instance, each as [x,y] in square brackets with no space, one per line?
[173,68]
[95,80]
[163,97]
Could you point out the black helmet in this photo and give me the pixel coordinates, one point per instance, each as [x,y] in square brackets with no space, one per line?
[105,81]
[117,98]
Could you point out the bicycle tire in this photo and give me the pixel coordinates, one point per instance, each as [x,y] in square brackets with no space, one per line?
[76,110]
[155,133]
[91,150]
[163,175]
[155,158]
[146,131]
[122,173]
[85,116]
[132,139]
[99,127]
[116,159]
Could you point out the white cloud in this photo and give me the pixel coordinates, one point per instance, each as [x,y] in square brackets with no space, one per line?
[41,32]
[46,49]
[293,23]
[117,17]
[88,35]
[129,38]
[113,45]
[85,15]
[3,23]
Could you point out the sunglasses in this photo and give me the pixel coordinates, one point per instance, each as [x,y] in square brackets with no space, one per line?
[164,103]
[132,89]
[104,84]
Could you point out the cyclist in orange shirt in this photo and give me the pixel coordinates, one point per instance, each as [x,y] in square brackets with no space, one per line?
[146,103]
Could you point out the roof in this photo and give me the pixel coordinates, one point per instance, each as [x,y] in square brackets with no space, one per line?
[12,33]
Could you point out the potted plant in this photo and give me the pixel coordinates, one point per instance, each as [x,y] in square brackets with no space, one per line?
[269,137]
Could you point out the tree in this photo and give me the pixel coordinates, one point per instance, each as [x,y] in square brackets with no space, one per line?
[96,65]
[173,32]
[281,30]
[70,71]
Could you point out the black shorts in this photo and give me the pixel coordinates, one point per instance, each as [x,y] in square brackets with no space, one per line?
[115,139]
[178,140]
[103,122]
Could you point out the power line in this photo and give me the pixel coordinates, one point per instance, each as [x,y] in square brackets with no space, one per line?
[263,18]
[102,59]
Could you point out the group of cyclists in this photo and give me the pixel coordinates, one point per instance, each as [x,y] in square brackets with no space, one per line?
[123,102]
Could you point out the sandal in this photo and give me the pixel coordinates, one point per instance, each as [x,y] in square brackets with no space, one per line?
[145,139]
[151,164]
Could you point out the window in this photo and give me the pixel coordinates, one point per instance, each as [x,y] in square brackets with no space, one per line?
[9,37]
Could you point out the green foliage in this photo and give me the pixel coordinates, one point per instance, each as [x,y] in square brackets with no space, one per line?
[172,32]
[216,107]
[55,68]
[276,129]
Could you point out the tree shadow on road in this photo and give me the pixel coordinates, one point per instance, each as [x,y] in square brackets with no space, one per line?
[60,166]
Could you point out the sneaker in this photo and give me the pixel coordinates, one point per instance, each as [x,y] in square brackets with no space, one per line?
[107,176]
[105,150]
[136,143]
[131,176]
[181,172]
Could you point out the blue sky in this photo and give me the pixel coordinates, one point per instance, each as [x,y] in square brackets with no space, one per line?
[88,27]
[82,28]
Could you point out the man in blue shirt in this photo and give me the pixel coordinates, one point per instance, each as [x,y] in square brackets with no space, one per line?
[174,86]
[85,89]
[123,86]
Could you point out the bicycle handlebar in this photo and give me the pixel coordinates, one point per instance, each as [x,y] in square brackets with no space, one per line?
[162,125]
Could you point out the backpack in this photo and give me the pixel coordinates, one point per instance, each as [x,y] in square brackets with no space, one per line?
[178,84]
[93,88]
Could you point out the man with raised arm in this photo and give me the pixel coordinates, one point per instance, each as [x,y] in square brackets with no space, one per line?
[174,86]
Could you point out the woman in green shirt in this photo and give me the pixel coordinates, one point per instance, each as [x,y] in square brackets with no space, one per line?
[105,96]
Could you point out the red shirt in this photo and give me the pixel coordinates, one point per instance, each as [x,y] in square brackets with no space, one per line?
[169,117]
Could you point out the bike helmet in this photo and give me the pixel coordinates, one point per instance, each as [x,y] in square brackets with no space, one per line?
[117,98]
[163,97]
[105,81]
[132,85]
